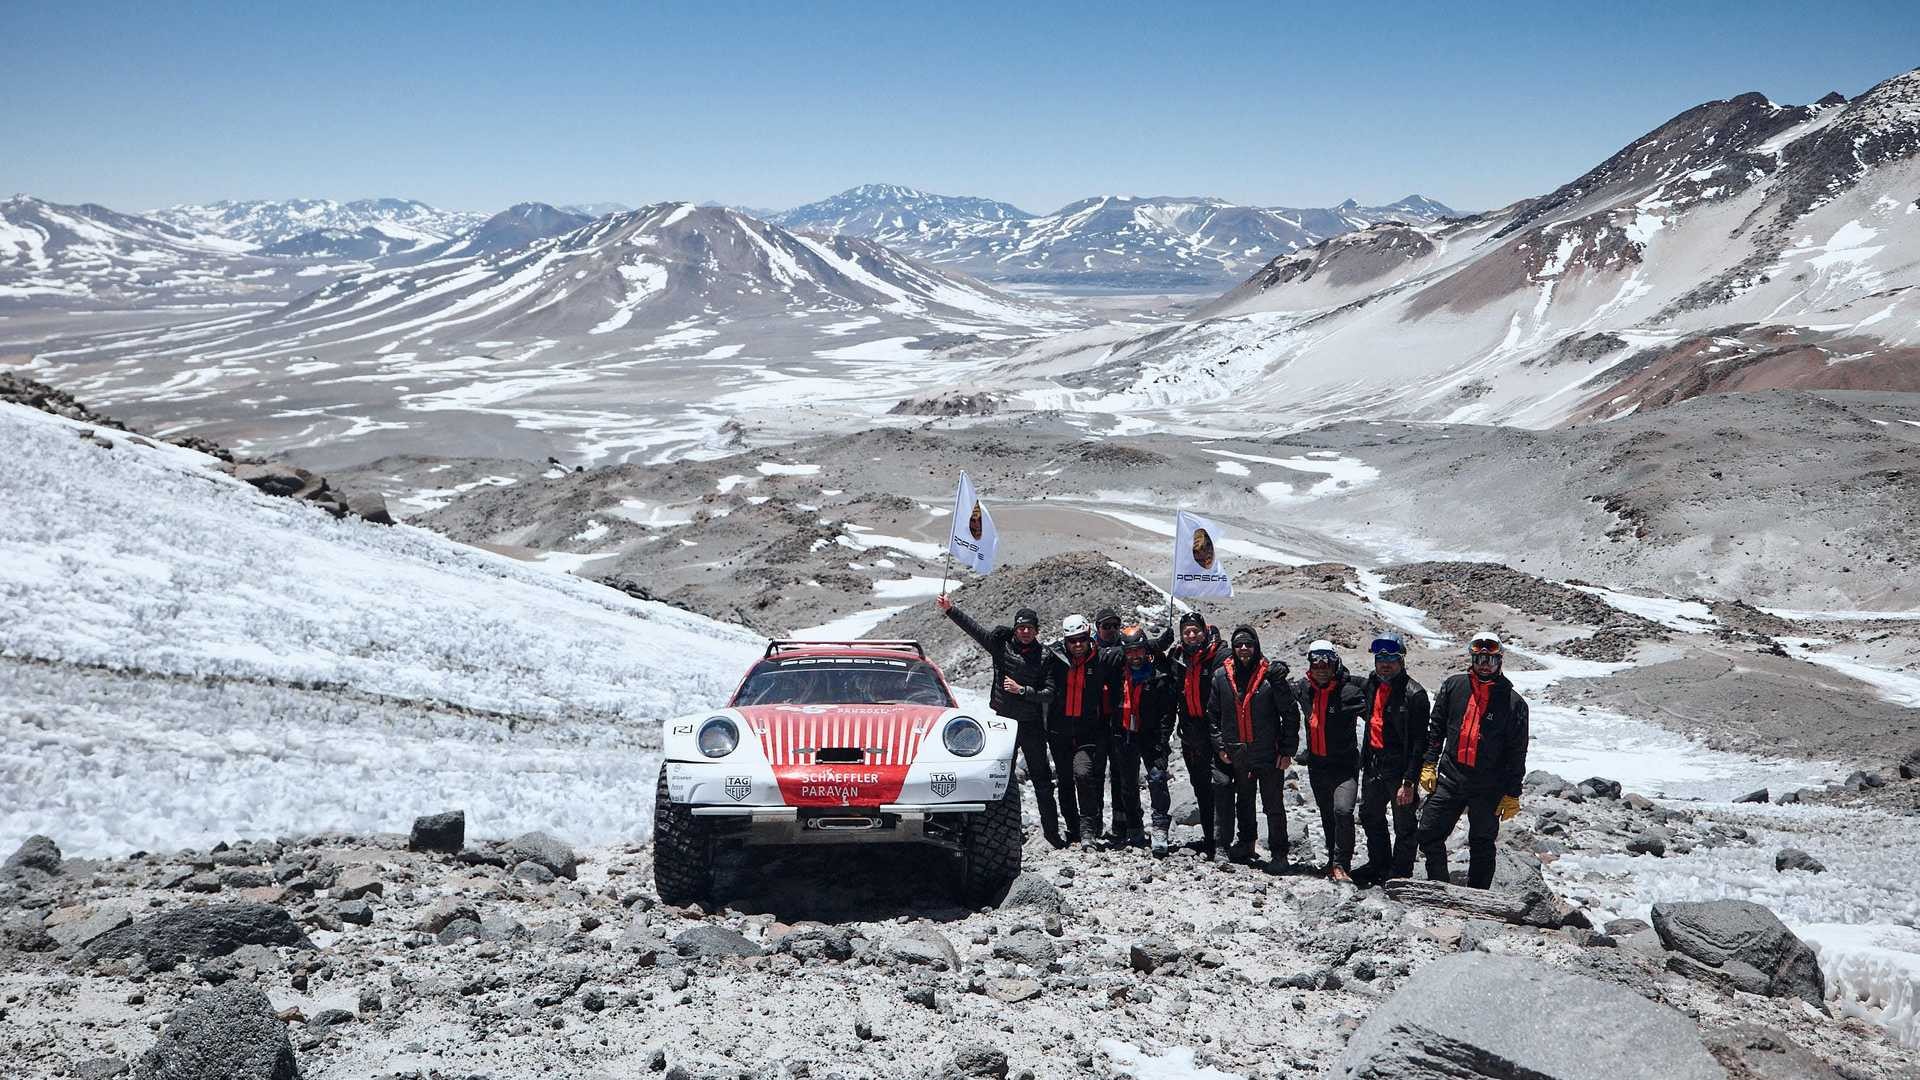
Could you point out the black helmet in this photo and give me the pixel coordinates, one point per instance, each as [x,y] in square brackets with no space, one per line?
[1133,637]
[1026,616]
[1193,618]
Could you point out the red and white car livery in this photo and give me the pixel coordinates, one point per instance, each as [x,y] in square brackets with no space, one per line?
[837,742]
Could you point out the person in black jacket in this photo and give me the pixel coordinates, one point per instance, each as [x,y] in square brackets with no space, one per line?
[1077,680]
[1142,730]
[1391,748]
[1255,726]
[1331,704]
[1019,694]
[1476,757]
[1194,659]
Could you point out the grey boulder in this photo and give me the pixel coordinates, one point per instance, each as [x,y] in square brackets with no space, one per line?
[710,940]
[1739,944]
[1482,1015]
[548,851]
[1031,892]
[1793,858]
[199,933]
[37,853]
[445,833]
[227,1033]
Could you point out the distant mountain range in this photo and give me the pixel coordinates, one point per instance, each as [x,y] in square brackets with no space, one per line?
[1113,241]
[1742,245]
[268,249]
[268,223]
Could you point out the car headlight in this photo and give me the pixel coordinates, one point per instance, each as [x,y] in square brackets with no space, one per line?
[964,736]
[718,737]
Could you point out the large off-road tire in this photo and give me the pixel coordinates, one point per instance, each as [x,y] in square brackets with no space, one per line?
[990,857]
[682,854]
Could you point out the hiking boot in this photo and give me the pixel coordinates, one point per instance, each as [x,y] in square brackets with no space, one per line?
[1160,842]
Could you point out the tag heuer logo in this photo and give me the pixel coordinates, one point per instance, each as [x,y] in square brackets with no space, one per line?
[739,787]
[944,784]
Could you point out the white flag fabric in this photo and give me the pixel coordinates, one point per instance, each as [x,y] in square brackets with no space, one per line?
[1197,569]
[972,540]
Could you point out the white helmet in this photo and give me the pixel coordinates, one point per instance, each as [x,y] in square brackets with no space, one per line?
[1484,641]
[1075,626]
[1323,646]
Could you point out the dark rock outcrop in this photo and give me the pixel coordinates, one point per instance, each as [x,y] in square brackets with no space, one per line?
[1741,945]
[1481,1015]
[199,933]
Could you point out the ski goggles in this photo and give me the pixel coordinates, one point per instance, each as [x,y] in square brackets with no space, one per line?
[1387,649]
[1483,647]
[1323,657]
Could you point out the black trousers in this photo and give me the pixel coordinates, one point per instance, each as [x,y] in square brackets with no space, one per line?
[1196,749]
[1335,790]
[1233,807]
[1441,813]
[1036,746]
[1089,783]
[1128,761]
[1395,858]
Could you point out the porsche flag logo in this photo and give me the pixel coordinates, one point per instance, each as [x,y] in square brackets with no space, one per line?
[1197,570]
[972,538]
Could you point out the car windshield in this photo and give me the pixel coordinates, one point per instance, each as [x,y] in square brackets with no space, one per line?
[843,680]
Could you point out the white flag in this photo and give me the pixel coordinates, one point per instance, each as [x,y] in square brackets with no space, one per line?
[973,540]
[1197,570]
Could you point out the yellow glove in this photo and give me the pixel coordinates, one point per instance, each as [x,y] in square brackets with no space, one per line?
[1508,807]
[1429,778]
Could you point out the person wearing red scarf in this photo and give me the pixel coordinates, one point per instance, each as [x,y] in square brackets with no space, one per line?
[1255,726]
[1075,688]
[1476,758]
[1141,720]
[1392,743]
[1331,707]
[1194,659]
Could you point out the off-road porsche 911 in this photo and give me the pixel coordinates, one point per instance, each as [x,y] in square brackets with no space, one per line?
[842,742]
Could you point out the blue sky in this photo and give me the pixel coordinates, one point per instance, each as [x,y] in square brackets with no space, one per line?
[478,106]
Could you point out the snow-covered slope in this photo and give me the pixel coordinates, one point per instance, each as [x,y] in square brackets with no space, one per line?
[893,215]
[515,227]
[182,657]
[49,251]
[618,276]
[1115,240]
[1742,245]
[265,222]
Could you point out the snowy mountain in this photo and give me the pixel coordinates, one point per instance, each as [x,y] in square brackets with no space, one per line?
[892,214]
[263,223]
[1116,240]
[515,227]
[50,252]
[521,334]
[596,209]
[1741,245]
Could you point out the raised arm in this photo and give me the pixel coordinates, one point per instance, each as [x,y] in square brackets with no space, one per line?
[973,629]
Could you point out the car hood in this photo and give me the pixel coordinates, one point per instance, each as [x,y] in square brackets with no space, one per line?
[892,732]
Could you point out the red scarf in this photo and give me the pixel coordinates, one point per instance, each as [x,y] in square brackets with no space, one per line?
[1377,727]
[1197,660]
[1243,703]
[1466,750]
[1317,718]
[1130,703]
[1077,685]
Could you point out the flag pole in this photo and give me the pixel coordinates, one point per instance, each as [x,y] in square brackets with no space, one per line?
[945,566]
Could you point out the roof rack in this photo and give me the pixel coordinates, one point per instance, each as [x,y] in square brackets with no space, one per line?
[780,645]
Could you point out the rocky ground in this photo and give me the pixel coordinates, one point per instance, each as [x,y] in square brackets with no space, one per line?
[380,956]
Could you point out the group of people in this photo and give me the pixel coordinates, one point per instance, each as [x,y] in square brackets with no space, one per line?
[1106,700]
